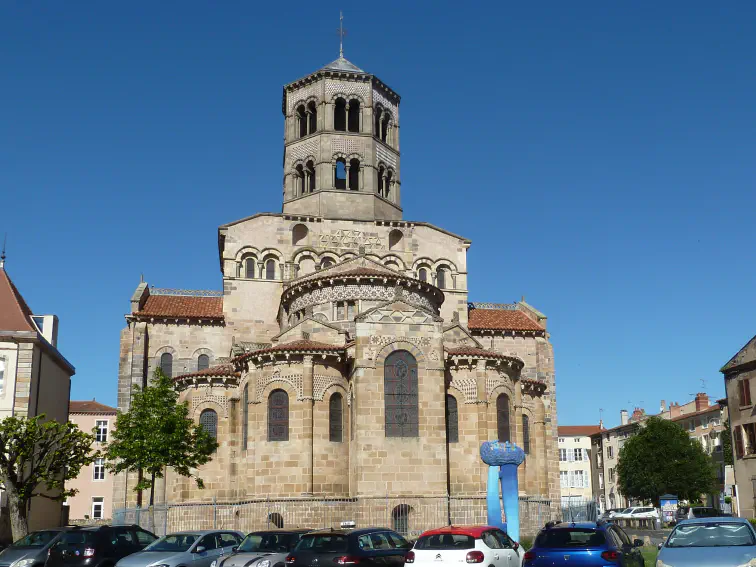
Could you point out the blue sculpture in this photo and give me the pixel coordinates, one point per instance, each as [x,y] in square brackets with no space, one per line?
[507,457]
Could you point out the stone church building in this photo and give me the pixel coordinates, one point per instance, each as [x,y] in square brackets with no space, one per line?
[342,361]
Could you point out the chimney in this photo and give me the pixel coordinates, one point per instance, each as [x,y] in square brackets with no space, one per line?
[637,414]
[674,410]
[662,407]
[623,417]
[601,424]
[702,401]
[48,327]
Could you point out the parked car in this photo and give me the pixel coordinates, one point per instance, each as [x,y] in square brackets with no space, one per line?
[709,542]
[465,544]
[638,513]
[585,544]
[624,513]
[376,547]
[195,548]
[30,550]
[97,546]
[267,548]
[702,512]
[611,514]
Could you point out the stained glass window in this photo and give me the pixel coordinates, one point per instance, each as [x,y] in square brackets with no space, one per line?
[209,422]
[452,419]
[400,394]
[502,417]
[335,421]
[278,416]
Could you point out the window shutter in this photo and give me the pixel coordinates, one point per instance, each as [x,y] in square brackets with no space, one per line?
[739,442]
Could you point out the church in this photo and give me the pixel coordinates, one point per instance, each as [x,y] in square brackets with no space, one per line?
[342,364]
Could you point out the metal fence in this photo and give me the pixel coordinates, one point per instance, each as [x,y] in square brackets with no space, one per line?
[579,510]
[409,516]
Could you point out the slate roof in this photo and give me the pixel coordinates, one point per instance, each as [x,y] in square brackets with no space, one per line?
[568,430]
[342,64]
[501,320]
[182,307]
[90,406]
[15,314]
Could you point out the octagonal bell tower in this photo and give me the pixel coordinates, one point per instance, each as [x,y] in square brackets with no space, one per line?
[341,145]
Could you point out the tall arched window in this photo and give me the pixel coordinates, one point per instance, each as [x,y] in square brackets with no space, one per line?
[339,174]
[335,418]
[166,364]
[209,422]
[452,419]
[385,127]
[270,269]
[526,434]
[381,179]
[326,263]
[400,394]
[354,175]
[278,416]
[353,117]
[387,185]
[340,115]
[203,362]
[301,121]
[300,180]
[312,113]
[422,275]
[310,176]
[250,265]
[400,518]
[245,416]
[441,277]
[377,125]
[502,417]
[395,238]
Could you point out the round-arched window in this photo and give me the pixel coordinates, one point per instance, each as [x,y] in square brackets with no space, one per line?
[209,422]
[400,394]
[203,362]
[166,364]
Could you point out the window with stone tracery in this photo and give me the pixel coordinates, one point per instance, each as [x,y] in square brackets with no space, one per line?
[278,416]
[400,394]
[209,422]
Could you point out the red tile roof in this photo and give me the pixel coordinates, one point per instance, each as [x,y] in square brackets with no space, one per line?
[501,320]
[475,351]
[695,413]
[295,346]
[568,430]
[214,371]
[182,307]
[90,406]
[15,314]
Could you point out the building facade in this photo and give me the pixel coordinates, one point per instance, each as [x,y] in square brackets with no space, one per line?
[94,499]
[574,445]
[35,379]
[342,358]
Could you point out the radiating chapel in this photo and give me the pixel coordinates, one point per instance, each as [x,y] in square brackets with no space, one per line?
[342,358]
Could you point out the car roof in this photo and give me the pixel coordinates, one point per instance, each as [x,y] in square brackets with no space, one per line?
[582,525]
[283,531]
[472,531]
[726,520]
[348,531]
[200,532]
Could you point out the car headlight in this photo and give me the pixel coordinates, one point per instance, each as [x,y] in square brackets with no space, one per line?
[22,563]
[264,563]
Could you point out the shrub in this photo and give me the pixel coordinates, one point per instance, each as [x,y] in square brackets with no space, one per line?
[526,542]
[753,521]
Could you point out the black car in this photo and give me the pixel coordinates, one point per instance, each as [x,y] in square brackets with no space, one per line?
[97,546]
[379,547]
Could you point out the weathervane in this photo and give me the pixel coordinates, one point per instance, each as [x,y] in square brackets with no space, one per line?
[342,33]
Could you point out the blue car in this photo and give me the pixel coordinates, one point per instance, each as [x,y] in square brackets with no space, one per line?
[575,544]
[709,542]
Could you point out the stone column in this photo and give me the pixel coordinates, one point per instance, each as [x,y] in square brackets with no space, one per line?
[308,432]
[481,405]
[261,268]
[361,177]
[517,433]
[362,110]
[308,113]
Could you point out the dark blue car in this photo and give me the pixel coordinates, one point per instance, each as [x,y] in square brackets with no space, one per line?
[572,544]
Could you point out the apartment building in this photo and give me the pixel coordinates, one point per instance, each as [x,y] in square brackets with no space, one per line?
[575,462]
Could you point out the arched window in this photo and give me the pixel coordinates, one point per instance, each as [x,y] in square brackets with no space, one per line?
[203,362]
[166,364]
[298,234]
[400,518]
[245,416]
[301,120]
[441,277]
[312,111]
[300,180]
[340,115]
[381,180]
[502,417]
[326,263]
[335,418]
[526,434]
[270,269]
[377,125]
[339,174]
[250,265]
[278,416]
[310,176]
[384,128]
[353,118]
[387,185]
[400,394]
[452,419]
[276,519]
[209,422]
[395,238]
[354,175]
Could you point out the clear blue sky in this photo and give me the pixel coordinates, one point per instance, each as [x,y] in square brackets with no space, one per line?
[603,153]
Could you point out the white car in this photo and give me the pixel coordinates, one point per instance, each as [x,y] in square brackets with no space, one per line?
[454,545]
[638,513]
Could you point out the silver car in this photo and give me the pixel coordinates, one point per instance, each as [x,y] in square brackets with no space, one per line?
[185,549]
[266,548]
[709,542]
[30,550]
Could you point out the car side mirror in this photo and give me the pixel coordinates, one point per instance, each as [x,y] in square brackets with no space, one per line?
[516,546]
[199,549]
[234,549]
[659,546]
[637,543]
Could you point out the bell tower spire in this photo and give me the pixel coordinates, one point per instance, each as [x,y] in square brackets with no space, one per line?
[341,144]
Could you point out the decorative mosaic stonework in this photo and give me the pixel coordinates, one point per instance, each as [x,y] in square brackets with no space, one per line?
[301,96]
[207,397]
[346,145]
[467,386]
[385,155]
[346,87]
[368,292]
[378,98]
[304,149]
[351,239]
[321,383]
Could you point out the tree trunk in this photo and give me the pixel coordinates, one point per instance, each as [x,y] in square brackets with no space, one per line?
[18,518]
[152,503]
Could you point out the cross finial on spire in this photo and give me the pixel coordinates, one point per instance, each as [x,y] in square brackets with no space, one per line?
[342,32]
[2,254]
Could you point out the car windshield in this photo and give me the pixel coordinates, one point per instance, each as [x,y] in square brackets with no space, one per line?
[36,539]
[570,537]
[269,542]
[714,534]
[445,541]
[173,542]
[323,543]
[626,511]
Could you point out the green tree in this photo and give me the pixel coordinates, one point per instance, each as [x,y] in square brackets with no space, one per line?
[726,437]
[662,459]
[37,458]
[157,433]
